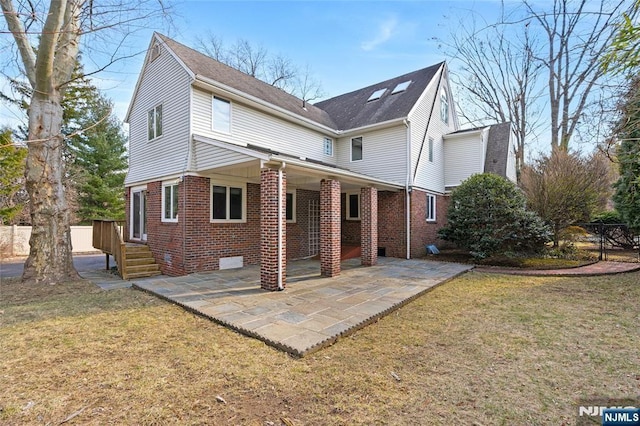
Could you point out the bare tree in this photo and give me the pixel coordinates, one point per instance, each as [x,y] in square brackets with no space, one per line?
[498,75]
[256,61]
[565,187]
[48,39]
[577,36]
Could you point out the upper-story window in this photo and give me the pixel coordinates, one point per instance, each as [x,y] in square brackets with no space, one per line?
[170,202]
[356,148]
[328,147]
[221,115]
[154,122]
[444,107]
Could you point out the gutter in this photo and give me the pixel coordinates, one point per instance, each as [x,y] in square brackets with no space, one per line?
[408,185]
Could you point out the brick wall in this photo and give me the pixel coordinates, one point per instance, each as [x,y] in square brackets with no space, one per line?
[350,228]
[165,238]
[391,223]
[423,232]
[330,249]
[298,232]
[269,215]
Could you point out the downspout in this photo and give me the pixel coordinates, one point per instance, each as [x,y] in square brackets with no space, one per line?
[408,190]
[280,242]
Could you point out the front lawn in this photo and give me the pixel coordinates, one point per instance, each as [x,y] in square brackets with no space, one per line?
[481,349]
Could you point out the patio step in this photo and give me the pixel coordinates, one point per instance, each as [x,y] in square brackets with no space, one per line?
[140,262]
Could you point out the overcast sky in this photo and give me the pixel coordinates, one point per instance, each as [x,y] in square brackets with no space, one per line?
[346,44]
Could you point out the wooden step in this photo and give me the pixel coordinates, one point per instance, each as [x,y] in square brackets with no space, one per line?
[142,275]
[142,268]
[140,261]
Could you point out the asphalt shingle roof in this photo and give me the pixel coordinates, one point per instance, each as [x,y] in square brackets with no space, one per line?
[208,67]
[343,112]
[352,110]
[498,149]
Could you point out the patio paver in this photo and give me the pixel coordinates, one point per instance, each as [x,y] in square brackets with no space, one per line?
[312,312]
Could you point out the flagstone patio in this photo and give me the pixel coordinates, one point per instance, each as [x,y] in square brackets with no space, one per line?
[312,312]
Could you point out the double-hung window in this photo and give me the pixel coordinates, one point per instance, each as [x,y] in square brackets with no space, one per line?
[353,206]
[221,120]
[228,203]
[170,202]
[154,122]
[356,148]
[431,208]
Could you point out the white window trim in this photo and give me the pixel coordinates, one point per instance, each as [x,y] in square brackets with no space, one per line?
[293,211]
[434,198]
[351,148]
[324,146]
[213,99]
[348,206]
[154,124]
[164,185]
[228,184]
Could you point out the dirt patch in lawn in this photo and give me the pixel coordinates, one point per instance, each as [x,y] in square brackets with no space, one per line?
[483,349]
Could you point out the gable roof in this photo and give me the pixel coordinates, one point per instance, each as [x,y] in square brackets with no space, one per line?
[354,109]
[204,66]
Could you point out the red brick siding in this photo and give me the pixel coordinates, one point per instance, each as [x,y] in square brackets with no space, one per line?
[350,228]
[423,232]
[369,226]
[298,232]
[269,202]
[330,249]
[392,223]
[165,239]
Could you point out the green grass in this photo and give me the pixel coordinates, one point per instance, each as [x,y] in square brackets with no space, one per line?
[483,348]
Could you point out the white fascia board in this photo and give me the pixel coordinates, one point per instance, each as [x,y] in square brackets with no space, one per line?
[266,106]
[371,127]
[339,173]
[232,147]
[464,133]
[433,81]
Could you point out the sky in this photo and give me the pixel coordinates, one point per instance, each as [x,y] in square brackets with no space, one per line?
[346,44]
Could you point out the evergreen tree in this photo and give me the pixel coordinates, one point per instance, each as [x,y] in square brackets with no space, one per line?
[12,159]
[96,150]
[627,195]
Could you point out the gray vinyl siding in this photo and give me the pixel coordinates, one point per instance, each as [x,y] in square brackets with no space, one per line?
[164,81]
[430,175]
[463,157]
[250,126]
[384,154]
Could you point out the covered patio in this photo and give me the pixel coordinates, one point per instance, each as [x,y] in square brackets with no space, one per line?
[314,311]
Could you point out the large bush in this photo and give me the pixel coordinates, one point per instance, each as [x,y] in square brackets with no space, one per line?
[488,215]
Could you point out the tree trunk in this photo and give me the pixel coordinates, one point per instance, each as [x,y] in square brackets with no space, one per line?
[50,259]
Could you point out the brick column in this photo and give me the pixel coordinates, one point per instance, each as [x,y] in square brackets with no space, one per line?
[369,225]
[330,228]
[269,229]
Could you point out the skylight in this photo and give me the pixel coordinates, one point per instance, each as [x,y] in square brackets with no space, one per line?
[376,95]
[401,87]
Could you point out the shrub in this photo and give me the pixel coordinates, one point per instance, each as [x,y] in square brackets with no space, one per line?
[488,215]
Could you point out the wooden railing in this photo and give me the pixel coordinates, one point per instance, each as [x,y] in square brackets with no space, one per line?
[107,236]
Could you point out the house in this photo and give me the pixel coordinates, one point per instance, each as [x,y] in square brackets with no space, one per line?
[226,170]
